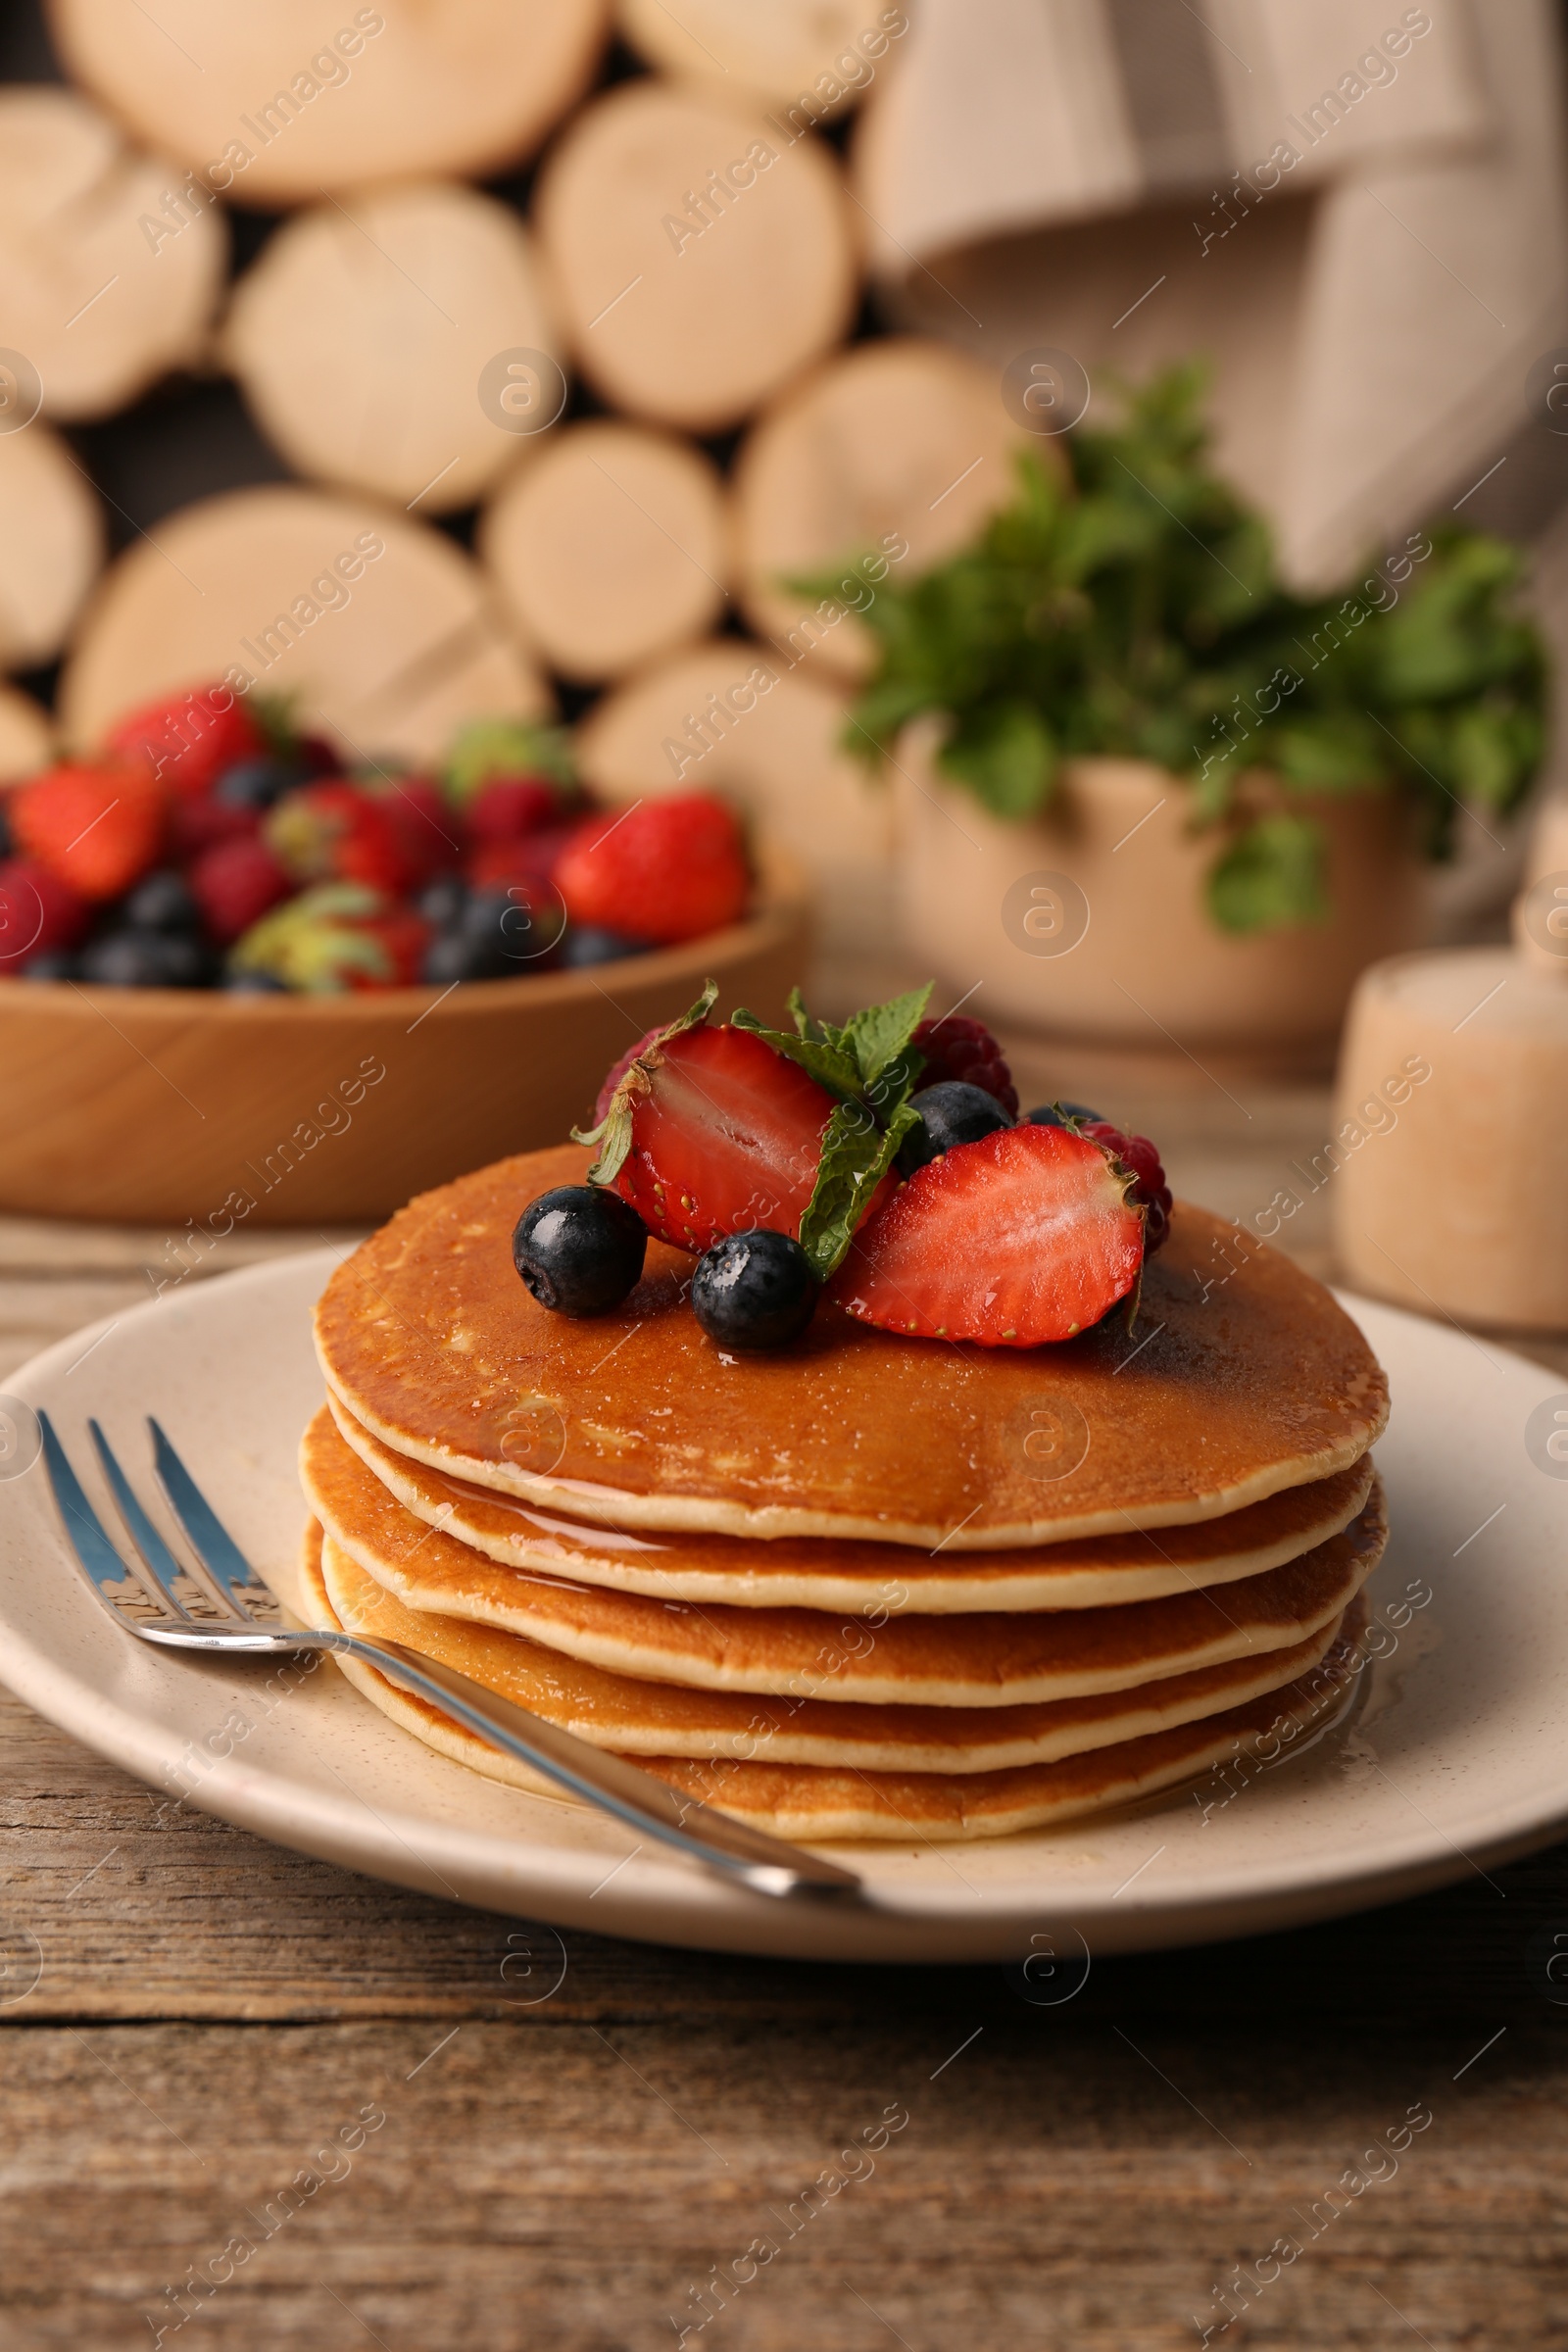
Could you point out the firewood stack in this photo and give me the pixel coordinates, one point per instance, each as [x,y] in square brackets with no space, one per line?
[566,439]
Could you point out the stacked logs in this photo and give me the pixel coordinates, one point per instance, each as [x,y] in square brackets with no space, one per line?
[687,266]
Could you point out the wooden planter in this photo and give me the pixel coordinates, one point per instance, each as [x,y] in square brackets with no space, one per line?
[1089,923]
[171,1106]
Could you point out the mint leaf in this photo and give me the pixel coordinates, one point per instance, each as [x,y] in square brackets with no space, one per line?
[878,1034]
[827,1063]
[855,1156]
[1004,750]
[1271,877]
[613,1135]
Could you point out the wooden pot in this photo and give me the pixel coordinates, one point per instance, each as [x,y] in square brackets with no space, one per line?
[186,1107]
[1090,923]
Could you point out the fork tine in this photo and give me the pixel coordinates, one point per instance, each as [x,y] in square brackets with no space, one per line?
[210,1540]
[161,1563]
[97,1558]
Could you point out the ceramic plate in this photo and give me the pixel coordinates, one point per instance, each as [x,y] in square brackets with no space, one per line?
[1452,1757]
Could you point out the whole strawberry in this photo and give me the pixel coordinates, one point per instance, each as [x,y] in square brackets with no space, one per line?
[957,1047]
[38,912]
[97,828]
[187,740]
[664,870]
[339,832]
[1149,1191]
[426,831]
[339,936]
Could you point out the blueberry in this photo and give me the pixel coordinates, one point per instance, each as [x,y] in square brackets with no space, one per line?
[145,959]
[754,1290]
[50,963]
[579,1249]
[255,984]
[589,944]
[443,901]
[1050,1115]
[951,1112]
[452,955]
[160,902]
[258,783]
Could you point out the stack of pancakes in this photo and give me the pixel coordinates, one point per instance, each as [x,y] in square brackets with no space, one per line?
[866,1587]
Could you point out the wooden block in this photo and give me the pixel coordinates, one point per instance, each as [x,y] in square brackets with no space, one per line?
[898,444]
[380,627]
[699,256]
[1449,1153]
[276,105]
[609,548]
[362,333]
[27,736]
[109,265]
[817,54]
[735,719]
[51,544]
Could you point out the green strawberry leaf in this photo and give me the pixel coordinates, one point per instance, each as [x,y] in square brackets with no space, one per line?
[506,747]
[613,1135]
[855,1156]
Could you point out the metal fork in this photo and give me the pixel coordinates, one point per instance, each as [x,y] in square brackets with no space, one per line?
[155,1604]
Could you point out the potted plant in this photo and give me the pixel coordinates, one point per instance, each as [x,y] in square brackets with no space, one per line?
[1141,782]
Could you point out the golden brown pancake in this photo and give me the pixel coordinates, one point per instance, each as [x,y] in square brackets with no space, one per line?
[870,1580]
[650,1719]
[982,1660]
[1243,1378]
[806,1801]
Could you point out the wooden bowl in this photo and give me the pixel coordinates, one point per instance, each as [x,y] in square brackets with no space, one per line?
[189,1108]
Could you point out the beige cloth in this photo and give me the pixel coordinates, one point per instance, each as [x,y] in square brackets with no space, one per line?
[1086,174]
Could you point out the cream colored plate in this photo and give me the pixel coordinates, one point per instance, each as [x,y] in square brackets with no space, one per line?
[1458,1756]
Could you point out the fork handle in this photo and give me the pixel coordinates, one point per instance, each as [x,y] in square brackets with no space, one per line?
[639,1799]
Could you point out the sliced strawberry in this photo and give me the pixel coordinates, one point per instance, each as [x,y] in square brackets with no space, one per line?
[1149,1190]
[1024,1237]
[726,1138]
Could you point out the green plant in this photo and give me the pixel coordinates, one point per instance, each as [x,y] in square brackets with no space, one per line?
[1135,609]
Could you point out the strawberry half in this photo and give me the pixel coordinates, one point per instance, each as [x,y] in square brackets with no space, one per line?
[726,1138]
[1024,1237]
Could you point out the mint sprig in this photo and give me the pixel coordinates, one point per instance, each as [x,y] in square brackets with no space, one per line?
[871,1064]
[613,1135]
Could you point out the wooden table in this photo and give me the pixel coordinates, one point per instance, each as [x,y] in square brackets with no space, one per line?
[192,2016]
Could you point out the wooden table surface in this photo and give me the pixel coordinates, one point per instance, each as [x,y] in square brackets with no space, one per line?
[540,2142]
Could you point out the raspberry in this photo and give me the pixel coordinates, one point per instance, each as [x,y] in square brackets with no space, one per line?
[507,807]
[664,870]
[1149,1190]
[97,828]
[38,912]
[958,1048]
[235,884]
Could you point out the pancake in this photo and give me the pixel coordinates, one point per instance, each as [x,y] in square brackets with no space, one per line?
[980,1660]
[806,1801]
[1244,1379]
[650,1719]
[870,1580]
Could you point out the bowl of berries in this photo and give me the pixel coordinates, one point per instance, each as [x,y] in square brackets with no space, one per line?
[243,978]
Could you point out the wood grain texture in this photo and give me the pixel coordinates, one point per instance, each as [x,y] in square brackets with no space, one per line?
[169,1105]
[272,106]
[567,2156]
[52,530]
[361,333]
[699,254]
[378,625]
